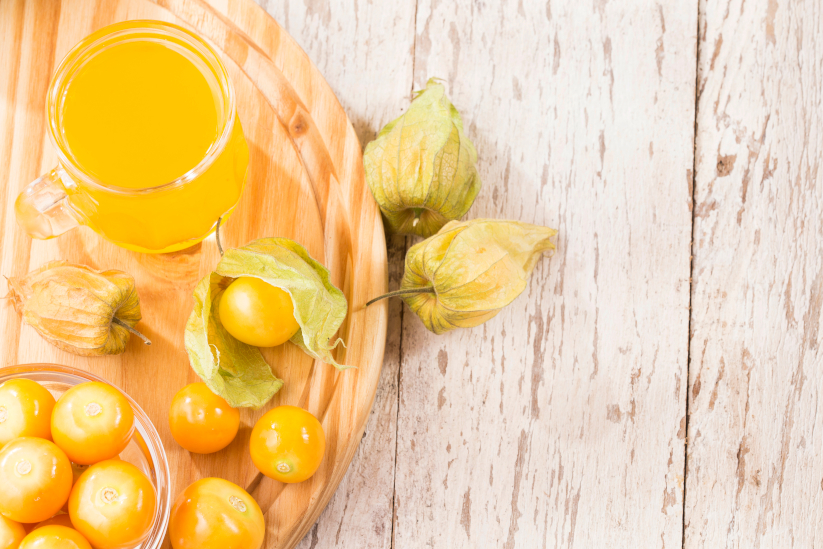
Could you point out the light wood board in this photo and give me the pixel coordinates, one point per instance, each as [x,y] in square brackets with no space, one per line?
[531,75]
[477,465]
[560,423]
[305,182]
[755,440]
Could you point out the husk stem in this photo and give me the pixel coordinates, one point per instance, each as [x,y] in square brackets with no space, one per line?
[401,293]
[417,213]
[122,324]
[217,235]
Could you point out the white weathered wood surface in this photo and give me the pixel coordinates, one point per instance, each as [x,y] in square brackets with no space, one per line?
[755,440]
[557,422]
[562,421]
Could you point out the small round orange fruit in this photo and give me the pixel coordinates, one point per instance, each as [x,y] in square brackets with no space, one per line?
[35,478]
[287,444]
[257,313]
[25,410]
[92,422]
[54,537]
[11,533]
[112,505]
[201,421]
[213,513]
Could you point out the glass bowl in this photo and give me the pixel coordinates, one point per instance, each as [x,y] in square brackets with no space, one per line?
[145,450]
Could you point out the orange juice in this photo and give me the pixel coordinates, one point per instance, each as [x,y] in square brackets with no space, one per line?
[139,114]
[146,120]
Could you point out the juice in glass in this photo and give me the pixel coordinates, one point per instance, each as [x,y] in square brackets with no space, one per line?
[151,149]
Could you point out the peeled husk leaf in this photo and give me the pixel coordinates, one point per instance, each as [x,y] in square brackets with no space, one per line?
[466,273]
[421,168]
[76,308]
[237,371]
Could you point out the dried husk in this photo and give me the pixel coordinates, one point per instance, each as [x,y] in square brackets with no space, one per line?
[466,273]
[78,309]
[421,168]
[237,371]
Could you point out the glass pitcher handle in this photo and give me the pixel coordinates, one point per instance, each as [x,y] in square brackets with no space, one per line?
[43,208]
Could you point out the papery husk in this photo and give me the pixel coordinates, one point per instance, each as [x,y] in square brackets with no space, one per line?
[78,309]
[319,307]
[470,270]
[421,168]
[237,371]
[230,368]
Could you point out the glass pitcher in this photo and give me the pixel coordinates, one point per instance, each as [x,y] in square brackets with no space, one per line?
[121,180]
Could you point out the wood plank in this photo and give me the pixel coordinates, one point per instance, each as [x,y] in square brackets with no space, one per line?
[754,468]
[561,422]
[364,51]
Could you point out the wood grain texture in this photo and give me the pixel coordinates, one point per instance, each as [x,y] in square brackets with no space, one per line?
[364,51]
[561,422]
[754,468]
[305,182]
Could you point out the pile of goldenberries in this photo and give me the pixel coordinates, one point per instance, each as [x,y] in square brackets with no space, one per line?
[61,476]
[64,486]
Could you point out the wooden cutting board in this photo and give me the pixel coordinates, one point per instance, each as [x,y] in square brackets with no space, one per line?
[305,182]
